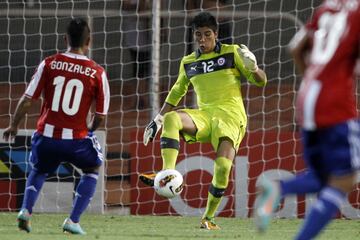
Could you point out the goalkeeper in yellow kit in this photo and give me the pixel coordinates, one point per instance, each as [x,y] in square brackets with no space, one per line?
[214,70]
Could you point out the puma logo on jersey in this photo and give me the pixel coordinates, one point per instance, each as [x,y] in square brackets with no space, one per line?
[193,68]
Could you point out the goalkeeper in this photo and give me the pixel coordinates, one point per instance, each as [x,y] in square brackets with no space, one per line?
[214,70]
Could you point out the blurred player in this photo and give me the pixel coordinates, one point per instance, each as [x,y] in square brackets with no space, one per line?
[69,83]
[214,70]
[325,51]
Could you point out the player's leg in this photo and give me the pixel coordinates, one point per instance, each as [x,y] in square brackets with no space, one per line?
[271,192]
[312,180]
[226,135]
[83,195]
[219,183]
[339,161]
[327,205]
[170,137]
[33,187]
[88,157]
[174,122]
[307,182]
[43,161]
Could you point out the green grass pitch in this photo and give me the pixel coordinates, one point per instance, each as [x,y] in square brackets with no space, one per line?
[104,227]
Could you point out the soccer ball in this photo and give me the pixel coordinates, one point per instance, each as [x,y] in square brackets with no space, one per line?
[168,183]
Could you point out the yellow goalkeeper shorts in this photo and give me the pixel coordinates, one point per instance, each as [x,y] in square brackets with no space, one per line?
[215,124]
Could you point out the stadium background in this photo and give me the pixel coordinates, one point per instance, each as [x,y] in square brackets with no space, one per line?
[30,33]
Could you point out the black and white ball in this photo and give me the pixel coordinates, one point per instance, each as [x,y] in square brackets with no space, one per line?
[168,183]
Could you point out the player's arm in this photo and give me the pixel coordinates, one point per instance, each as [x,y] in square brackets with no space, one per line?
[260,77]
[102,102]
[299,47]
[96,121]
[155,125]
[32,92]
[176,93]
[171,101]
[250,68]
[167,107]
[22,108]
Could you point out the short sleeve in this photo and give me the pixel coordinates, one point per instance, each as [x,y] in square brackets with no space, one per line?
[103,95]
[37,82]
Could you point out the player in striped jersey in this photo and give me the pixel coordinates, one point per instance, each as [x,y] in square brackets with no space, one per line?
[214,70]
[325,51]
[69,83]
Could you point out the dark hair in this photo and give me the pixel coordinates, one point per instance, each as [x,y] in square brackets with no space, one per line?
[204,19]
[78,31]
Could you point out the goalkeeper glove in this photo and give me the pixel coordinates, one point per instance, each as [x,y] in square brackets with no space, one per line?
[248,58]
[152,129]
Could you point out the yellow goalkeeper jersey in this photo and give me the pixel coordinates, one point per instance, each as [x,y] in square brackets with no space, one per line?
[215,78]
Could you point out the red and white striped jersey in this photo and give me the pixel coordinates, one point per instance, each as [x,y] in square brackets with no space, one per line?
[326,96]
[69,83]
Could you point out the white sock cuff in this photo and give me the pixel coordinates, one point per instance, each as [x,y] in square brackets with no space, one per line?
[333,195]
[92,175]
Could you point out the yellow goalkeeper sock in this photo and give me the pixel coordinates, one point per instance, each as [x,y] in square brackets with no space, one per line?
[169,157]
[222,168]
[218,186]
[211,206]
[170,139]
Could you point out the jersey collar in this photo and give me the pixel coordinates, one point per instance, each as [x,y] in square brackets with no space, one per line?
[217,49]
[76,56]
